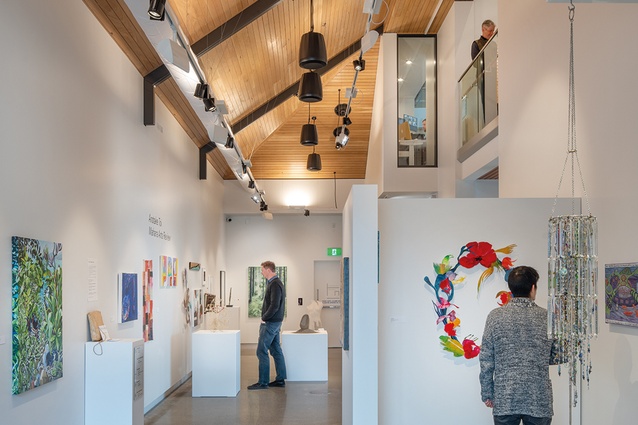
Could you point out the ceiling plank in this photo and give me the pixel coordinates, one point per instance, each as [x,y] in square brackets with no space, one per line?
[232,26]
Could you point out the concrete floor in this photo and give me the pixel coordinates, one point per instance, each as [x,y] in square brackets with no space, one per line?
[307,403]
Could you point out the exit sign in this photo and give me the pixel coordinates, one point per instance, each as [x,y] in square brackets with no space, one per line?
[334,252]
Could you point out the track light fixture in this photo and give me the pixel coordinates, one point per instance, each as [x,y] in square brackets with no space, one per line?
[251,184]
[230,142]
[347,120]
[342,136]
[314,161]
[209,104]
[157,10]
[201,91]
[255,197]
[359,65]
[306,213]
[312,49]
[263,206]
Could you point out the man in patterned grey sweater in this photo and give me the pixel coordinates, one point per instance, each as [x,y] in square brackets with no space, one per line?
[515,356]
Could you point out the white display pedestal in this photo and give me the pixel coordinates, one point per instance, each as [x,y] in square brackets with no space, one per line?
[227,319]
[216,363]
[114,382]
[306,355]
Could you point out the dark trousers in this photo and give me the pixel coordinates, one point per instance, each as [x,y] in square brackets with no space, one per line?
[516,420]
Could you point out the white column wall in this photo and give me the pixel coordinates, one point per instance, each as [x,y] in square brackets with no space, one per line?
[360,366]
[533,87]
[79,167]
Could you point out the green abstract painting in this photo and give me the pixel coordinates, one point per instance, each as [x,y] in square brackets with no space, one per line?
[257,287]
[36,271]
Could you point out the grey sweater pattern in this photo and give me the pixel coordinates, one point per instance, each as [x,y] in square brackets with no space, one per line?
[515,355]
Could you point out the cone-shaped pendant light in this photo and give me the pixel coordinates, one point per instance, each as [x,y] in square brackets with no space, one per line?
[310,89]
[309,136]
[312,50]
[314,161]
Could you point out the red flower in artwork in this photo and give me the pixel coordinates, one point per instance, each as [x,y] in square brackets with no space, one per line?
[470,349]
[445,286]
[449,329]
[507,263]
[480,253]
[503,297]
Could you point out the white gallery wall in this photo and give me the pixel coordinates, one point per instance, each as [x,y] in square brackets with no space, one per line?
[533,90]
[290,240]
[78,167]
[418,381]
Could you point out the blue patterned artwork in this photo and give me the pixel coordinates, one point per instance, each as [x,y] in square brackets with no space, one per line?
[36,275]
[127,299]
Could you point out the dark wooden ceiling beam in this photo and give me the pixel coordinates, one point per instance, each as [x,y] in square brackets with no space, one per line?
[292,90]
[232,26]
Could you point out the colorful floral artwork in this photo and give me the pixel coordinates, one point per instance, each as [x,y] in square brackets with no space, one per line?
[147,300]
[621,293]
[36,272]
[472,254]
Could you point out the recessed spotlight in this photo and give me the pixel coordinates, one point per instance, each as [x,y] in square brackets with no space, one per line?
[400,79]
[408,62]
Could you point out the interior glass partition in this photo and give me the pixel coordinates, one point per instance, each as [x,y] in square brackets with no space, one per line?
[479,91]
[416,88]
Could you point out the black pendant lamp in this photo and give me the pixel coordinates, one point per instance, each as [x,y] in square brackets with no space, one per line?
[309,136]
[310,89]
[312,50]
[314,161]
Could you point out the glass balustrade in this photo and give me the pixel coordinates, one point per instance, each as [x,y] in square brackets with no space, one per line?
[478,88]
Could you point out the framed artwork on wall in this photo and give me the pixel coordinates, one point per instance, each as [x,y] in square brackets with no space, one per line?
[345,306]
[127,297]
[621,293]
[36,277]
[257,288]
[147,300]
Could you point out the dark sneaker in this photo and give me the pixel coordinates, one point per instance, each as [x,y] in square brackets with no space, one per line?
[258,386]
[278,383]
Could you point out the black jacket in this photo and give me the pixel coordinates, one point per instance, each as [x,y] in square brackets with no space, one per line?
[273,307]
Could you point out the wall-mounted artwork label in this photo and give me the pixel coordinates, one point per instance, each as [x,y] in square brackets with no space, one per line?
[334,252]
[36,272]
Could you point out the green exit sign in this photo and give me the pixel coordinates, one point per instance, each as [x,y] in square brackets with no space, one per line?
[334,252]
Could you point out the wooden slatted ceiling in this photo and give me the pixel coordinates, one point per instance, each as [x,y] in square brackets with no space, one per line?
[282,156]
[261,61]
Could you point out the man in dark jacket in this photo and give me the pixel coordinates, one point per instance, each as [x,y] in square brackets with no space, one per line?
[487,31]
[272,314]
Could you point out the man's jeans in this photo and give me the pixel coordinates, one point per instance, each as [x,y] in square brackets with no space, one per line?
[516,420]
[269,340]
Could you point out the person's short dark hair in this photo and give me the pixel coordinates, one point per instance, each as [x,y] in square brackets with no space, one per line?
[521,280]
[268,265]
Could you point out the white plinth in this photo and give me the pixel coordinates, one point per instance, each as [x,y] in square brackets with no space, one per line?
[306,355]
[216,363]
[114,382]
